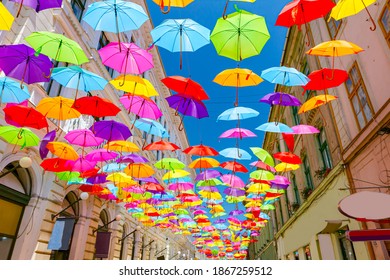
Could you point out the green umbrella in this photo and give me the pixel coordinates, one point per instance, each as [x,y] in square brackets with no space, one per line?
[19,136]
[263,155]
[69,176]
[169,163]
[267,207]
[241,35]
[57,46]
[262,175]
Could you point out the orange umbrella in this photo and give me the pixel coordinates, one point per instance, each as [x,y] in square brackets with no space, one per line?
[62,150]
[59,108]
[315,102]
[204,163]
[139,170]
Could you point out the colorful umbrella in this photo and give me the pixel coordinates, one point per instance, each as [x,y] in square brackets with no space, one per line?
[83,138]
[123,146]
[204,162]
[115,16]
[150,127]
[315,102]
[77,78]
[185,86]
[304,129]
[261,165]
[21,62]
[235,153]
[208,174]
[162,146]
[237,113]
[11,91]
[237,133]
[234,166]
[59,108]
[284,76]
[319,80]
[237,77]
[24,116]
[142,106]
[135,85]
[180,35]
[95,106]
[275,127]
[139,170]
[239,36]
[280,98]
[62,150]
[132,158]
[171,3]
[284,167]
[263,155]
[346,8]
[100,155]
[19,136]
[169,163]
[262,175]
[110,130]
[49,137]
[6,18]
[56,165]
[38,5]
[288,157]
[188,107]
[200,150]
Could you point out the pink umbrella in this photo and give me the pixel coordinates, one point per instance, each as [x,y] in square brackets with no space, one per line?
[199,212]
[262,165]
[100,155]
[180,186]
[304,129]
[135,189]
[141,106]
[237,133]
[81,165]
[233,180]
[83,137]
[127,58]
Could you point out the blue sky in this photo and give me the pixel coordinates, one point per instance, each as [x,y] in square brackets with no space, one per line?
[204,64]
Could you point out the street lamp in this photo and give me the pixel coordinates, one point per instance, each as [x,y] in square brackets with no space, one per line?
[117,218]
[83,196]
[123,238]
[24,162]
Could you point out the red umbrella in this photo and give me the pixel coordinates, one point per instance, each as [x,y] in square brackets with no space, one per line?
[153,187]
[200,150]
[300,12]
[234,166]
[288,157]
[95,106]
[56,165]
[185,86]
[162,145]
[89,173]
[319,79]
[92,189]
[24,116]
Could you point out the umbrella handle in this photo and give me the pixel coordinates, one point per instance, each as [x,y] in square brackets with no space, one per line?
[307,36]
[162,7]
[181,125]
[121,84]
[20,8]
[224,16]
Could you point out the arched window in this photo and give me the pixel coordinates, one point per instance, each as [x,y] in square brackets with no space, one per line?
[103,237]
[15,194]
[103,221]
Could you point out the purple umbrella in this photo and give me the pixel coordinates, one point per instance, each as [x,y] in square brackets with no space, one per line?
[187,106]
[280,182]
[22,63]
[49,137]
[110,130]
[132,158]
[100,155]
[97,179]
[234,192]
[209,188]
[233,180]
[280,98]
[38,5]
[147,180]
[208,174]
[236,212]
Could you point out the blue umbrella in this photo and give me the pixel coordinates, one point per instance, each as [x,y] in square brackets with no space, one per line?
[285,76]
[237,113]
[77,78]
[115,16]
[150,127]
[113,167]
[180,35]
[235,153]
[275,127]
[10,91]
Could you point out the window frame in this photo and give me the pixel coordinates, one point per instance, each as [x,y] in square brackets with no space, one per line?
[386,34]
[329,21]
[324,147]
[307,173]
[81,4]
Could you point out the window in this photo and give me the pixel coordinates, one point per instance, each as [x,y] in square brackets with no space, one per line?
[281,213]
[296,119]
[295,189]
[346,247]
[333,26]
[324,149]
[103,41]
[306,70]
[384,21]
[306,170]
[307,253]
[78,7]
[358,96]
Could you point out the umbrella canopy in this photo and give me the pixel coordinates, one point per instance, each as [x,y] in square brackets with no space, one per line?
[274,127]
[235,153]
[239,36]
[315,102]
[24,116]
[49,137]
[204,162]
[304,129]
[139,170]
[237,113]
[162,146]
[280,98]
[263,155]
[83,138]
[288,157]
[284,76]
[134,85]
[234,166]
[6,18]
[180,35]
[185,86]
[62,150]
[133,158]
[142,106]
[346,8]
[126,58]
[262,175]
[110,130]
[319,80]
[284,167]
[237,133]
[169,163]
[237,77]
[208,174]
[96,106]
[59,108]
[38,5]
[200,150]
[19,136]
[22,63]
[10,91]
[100,155]
[151,127]
[57,46]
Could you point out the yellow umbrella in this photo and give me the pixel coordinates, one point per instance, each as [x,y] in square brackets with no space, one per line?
[121,178]
[284,167]
[174,174]
[134,85]
[171,3]
[210,195]
[315,102]
[346,8]
[139,170]
[216,208]
[237,77]
[62,150]
[6,18]
[59,108]
[258,188]
[335,48]
[204,162]
[121,146]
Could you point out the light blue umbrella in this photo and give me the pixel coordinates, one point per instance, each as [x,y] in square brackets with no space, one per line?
[180,35]
[235,153]
[274,127]
[77,78]
[237,113]
[285,76]
[150,127]
[10,91]
[113,167]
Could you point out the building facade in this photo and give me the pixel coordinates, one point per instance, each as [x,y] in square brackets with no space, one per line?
[33,196]
[351,152]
